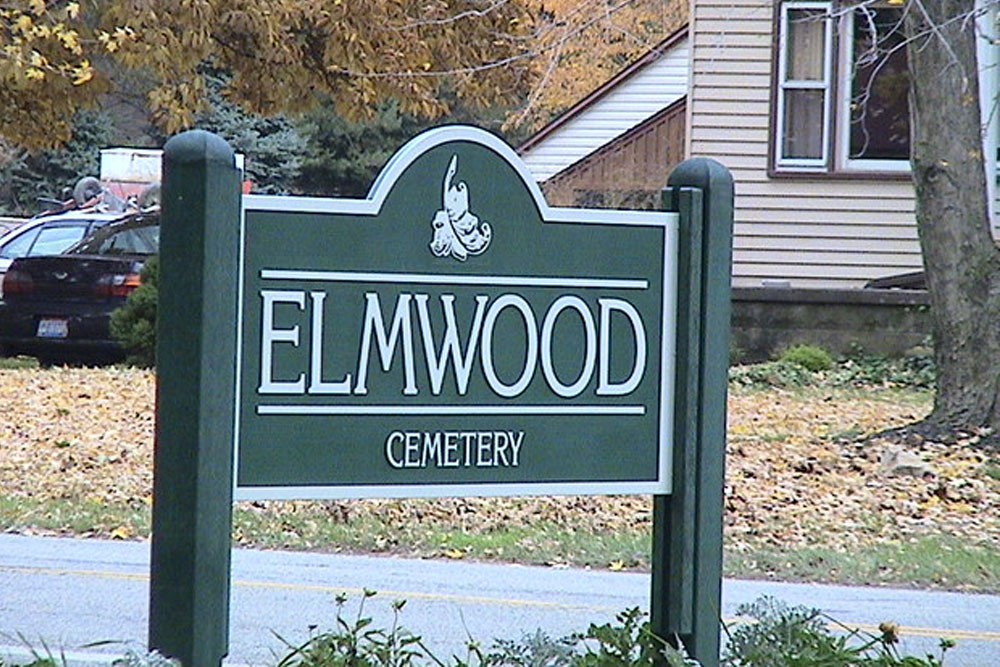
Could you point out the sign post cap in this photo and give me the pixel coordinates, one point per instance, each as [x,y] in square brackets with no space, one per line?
[198,146]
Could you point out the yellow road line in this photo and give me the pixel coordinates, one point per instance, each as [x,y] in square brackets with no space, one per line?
[318,588]
[904,630]
[418,595]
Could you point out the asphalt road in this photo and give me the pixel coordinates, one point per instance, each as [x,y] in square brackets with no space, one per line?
[66,593]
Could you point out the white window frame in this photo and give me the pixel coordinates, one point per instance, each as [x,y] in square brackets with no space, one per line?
[783,84]
[845,85]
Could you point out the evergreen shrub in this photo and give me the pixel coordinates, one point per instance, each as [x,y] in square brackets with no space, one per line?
[811,357]
[134,324]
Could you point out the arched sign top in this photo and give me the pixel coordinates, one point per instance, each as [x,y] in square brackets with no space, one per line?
[437,139]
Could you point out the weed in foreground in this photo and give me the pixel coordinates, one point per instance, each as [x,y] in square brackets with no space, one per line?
[780,636]
[357,643]
[776,636]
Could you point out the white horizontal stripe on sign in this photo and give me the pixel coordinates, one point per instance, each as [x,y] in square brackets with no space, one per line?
[428,278]
[451,410]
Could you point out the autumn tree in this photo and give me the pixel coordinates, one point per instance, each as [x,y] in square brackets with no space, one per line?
[46,70]
[961,260]
[58,56]
[288,55]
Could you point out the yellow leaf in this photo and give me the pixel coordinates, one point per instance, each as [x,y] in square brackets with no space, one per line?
[71,41]
[73,10]
[454,553]
[84,73]
[616,565]
[37,7]
[121,533]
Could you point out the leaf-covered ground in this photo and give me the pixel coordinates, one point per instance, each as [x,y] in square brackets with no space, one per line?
[798,473]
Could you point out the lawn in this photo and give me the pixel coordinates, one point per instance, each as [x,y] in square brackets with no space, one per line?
[807,496]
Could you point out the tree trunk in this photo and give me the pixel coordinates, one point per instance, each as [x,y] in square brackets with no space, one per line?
[961,261]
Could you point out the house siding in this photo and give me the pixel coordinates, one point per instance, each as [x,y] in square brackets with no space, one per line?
[803,232]
[648,91]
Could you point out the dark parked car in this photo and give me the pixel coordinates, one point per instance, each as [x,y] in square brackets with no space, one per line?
[58,307]
[51,234]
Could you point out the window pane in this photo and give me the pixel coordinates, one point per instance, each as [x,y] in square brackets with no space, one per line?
[18,246]
[53,240]
[805,45]
[134,240]
[880,120]
[803,131]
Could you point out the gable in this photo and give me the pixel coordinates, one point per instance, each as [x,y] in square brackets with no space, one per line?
[638,93]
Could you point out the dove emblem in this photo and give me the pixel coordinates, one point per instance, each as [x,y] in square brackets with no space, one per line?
[457,231]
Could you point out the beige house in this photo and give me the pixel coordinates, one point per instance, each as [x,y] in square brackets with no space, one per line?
[805,102]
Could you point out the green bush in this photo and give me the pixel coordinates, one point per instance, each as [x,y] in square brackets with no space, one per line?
[771,374]
[630,642]
[805,365]
[915,369]
[134,324]
[533,650]
[811,357]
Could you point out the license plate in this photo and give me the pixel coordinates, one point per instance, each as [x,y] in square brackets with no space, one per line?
[52,328]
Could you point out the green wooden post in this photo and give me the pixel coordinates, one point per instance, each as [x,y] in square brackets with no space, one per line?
[687,526]
[196,352]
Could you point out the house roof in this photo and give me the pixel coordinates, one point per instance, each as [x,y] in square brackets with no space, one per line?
[650,56]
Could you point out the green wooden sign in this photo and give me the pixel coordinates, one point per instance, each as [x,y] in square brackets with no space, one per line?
[452,334]
[449,335]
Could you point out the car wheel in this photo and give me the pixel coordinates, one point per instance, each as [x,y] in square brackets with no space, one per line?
[45,361]
[86,189]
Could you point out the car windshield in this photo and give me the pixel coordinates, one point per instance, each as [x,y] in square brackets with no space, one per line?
[134,238]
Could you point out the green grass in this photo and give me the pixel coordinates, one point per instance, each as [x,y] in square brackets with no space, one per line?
[941,562]
[539,543]
[938,562]
[78,517]
[16,363]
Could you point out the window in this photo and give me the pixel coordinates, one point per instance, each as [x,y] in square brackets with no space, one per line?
[858,121]
[803,98]
[878,133]
[140,236]
[43,240]
[19,245]
[53,240]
